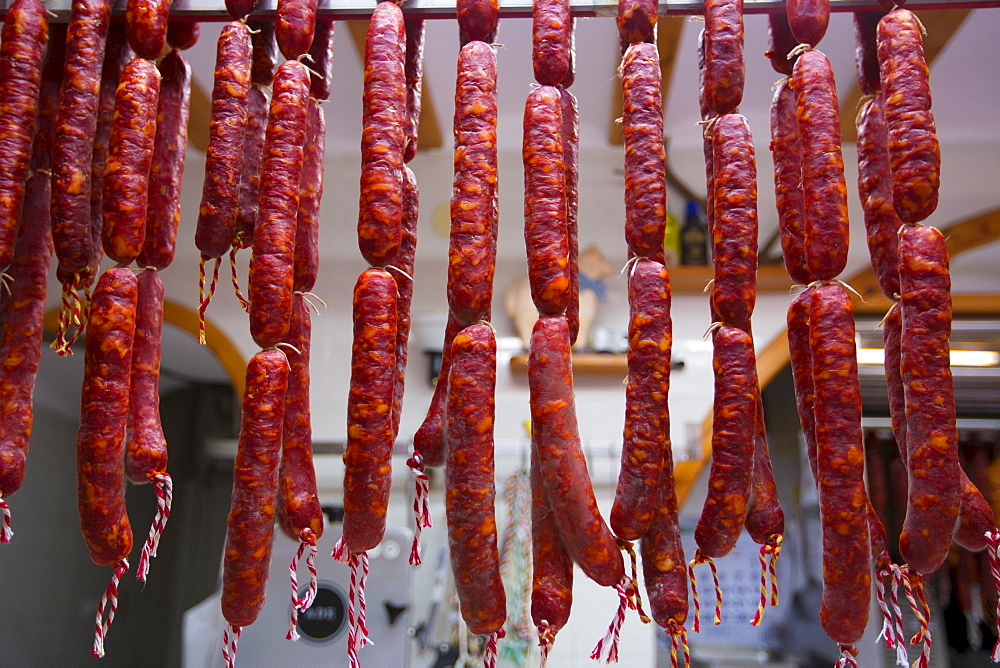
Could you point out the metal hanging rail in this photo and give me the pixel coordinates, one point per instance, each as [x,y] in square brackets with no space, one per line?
[214,10]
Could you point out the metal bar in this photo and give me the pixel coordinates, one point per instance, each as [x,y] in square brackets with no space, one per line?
[213,10]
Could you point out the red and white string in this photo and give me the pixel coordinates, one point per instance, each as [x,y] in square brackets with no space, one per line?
[769,553]
[848,657]
[307,539]
[546,636]
[109,601]
[490,653]
[164,487]
[913,587]
[699,558]
[993,554]
[5,531]
[421,504]
[610,639]
[230,637]
[678,643]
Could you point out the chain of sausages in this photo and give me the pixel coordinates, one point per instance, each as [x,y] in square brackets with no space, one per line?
[224,155]
[466,441]
[76,125]
[550,155]
[645,505]
[747,496]
[370,414]
[812,207]
[29,79]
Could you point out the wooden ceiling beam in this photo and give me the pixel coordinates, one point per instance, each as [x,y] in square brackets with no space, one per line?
[668,39]
[941,26]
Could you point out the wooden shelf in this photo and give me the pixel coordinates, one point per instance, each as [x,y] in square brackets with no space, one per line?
[598,364]
[770,278]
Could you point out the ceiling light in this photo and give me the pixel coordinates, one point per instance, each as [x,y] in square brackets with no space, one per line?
[958,357]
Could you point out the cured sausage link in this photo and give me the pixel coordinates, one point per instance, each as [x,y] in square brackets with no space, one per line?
[472,246]
[840,466]
[21,335]
[100,444]
[545,233]
[875,189]
[295,26]
[551,41]
[469,480]
[914,151]
[146,449]
[571,160]
[725,508]
[637,20]
[247,555]
[931,436]
[823,185]
[552,567]
[224,156]
[645,156]
[430,439]
[368,457]
[383,136]
[272,268]
[663,565]
[786,152]
[146,24]
[130,154]
[647,424]
[808,19]
[724,68]
[562,465]
[734,230]
[22,51]
[298,501]
[477,20]
[166,171]
[414,69]
[76,125]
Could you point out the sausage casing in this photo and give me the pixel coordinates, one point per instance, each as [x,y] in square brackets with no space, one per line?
[734,229]
[130,154]
[298,501]
[551,41]
[931,435]
[166,171]
[383,136]
[724,67]
[250,526]
[100,443]
[146,447]
[469,487]
[368,456]
[562,465]
[645,156]
[472,248]
[914,151]
[840,460]
[545,234]
[786,152]
[647,424]
[823,185]
[725,509]
[21,334]
[22,50]
[272,268]
[224,156]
